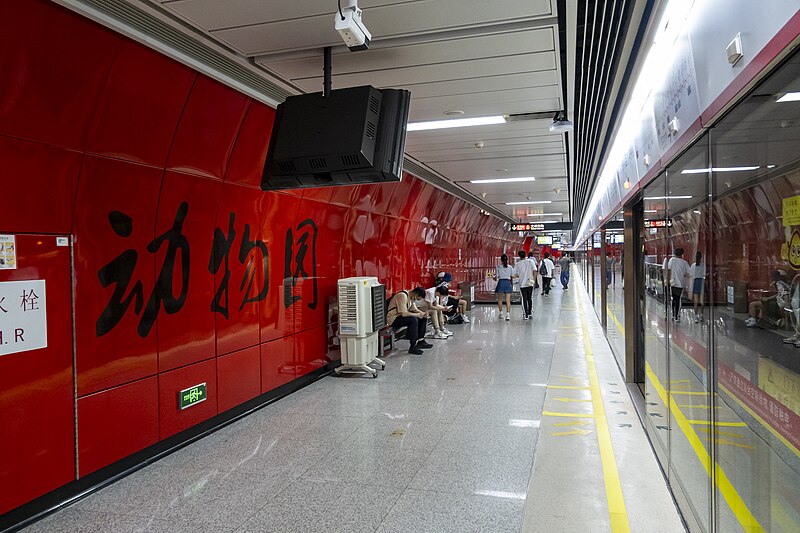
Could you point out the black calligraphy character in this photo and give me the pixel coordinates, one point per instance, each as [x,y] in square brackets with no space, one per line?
[292,276]
[250,273]
[162,292]
[220,252]
[30,301]
[119,272]
[3,309]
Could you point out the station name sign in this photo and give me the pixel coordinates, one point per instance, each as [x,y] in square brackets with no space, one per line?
[658,223]
[564,226]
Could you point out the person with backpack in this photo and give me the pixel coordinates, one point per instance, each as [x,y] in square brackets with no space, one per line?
[402,312]
[546,269]
[524,271]
[502,275]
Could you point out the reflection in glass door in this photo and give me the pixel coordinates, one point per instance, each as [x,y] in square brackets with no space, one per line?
[690,406]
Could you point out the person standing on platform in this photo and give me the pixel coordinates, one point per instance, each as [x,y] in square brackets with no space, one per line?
[678,275]
[525,272]
[403,312]
[698,272]
[546,270]
[564,263]
[535,270]
[502,276]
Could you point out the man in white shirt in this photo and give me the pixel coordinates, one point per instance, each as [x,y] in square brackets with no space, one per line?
[432,304]
[678,276]
[546,269]
[525,272]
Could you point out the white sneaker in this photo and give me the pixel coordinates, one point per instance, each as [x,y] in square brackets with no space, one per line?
[508,316]
[465,318]
[790,340]
[439,335]
[750,322]
[447,332]
[697,320]
[526,317]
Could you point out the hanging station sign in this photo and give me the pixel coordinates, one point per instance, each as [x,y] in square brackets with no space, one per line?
[658,223]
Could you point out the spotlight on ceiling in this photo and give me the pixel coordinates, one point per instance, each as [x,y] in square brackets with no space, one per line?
[560,123]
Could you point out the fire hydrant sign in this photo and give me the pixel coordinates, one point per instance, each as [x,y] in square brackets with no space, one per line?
[23,316]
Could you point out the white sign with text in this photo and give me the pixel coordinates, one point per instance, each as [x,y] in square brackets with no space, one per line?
[23,316]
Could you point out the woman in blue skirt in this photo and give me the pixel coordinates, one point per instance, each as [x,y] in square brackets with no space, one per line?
[503,275]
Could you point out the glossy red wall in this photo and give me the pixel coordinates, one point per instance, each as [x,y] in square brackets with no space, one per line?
[184,270]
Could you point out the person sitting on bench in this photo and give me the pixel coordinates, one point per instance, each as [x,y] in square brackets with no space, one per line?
[403,312]
[435,304]
[458,305]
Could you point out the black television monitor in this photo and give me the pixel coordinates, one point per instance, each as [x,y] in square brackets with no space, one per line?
[354,135]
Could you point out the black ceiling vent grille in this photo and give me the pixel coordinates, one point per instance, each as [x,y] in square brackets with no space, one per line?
[317,163]
[350,160]
[371,130]
[602,30]
[287,166]
[375,106]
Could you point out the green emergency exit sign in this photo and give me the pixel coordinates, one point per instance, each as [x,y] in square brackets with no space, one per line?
[192,396]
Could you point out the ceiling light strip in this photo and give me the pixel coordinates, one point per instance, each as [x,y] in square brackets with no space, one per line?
[455,123]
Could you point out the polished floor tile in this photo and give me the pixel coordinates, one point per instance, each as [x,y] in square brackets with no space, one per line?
[442,512]
[443,442]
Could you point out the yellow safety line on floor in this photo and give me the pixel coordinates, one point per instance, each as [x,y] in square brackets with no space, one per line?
[575,415]
[726,488]
[688,393]
[718,424]
[571,387]
[616,502]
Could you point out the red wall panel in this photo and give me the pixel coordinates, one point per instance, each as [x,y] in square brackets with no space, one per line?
[116,423]
[238,268]
[115,212]
[172,419]
[54,64]
[139,107]
[41,204]
[311,350]
[277,363]
[250,150]
[186,215]
[207,130]
[238,377]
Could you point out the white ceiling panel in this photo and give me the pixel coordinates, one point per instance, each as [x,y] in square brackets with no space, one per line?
[479,57]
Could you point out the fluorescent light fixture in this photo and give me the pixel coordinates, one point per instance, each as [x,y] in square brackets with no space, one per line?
[455,123]
[503,180]
[667,197]
[531,202]
[770,166]
[716,169]
[651,211]
[502,494]
[789,97]
[545,214]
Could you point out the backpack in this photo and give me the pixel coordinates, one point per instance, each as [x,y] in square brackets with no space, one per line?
[455,319]
[543,268]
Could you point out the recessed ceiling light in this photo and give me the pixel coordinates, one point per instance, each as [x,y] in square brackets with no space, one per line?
[770,166]
[716,169]
[651,211]
[530,202]
[667,197]
[455,123]
[790,97]
[545,214]
[502,180]
[453,113]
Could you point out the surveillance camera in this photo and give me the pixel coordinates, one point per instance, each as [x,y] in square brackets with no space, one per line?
[560,124]
[351,28]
